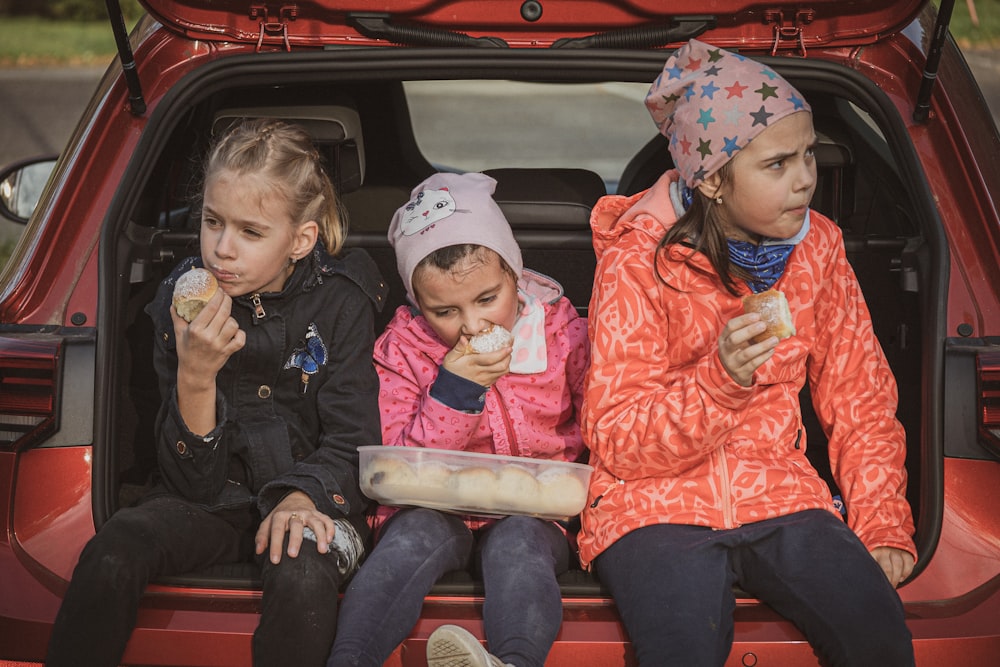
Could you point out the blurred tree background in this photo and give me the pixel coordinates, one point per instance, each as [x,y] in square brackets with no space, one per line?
[68,10]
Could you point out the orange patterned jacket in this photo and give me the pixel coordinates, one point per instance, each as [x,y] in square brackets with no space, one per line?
[674,439]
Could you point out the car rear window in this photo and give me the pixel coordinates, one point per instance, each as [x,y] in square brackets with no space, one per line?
[479,125]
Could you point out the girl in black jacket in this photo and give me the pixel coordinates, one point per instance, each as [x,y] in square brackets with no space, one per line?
[268,392]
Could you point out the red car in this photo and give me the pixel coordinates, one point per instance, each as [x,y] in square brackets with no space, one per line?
[546,96]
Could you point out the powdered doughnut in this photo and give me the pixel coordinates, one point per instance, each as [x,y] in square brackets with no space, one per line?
[774,313]
[391,471]
[192,291]
[433,480]
[432,473]
[517,490]
[473,488]
[562,493]
[491,339]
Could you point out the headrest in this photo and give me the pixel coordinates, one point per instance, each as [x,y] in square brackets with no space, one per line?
[542,198]
[335,129]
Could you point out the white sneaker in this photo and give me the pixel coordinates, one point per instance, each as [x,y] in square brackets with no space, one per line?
[452,646]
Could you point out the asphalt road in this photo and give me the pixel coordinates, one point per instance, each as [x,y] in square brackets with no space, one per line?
[39,107]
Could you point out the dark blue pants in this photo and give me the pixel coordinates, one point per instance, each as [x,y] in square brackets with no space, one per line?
[167,536]
[673,585]
[519,557]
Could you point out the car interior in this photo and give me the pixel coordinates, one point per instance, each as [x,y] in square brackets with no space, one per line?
[368,143]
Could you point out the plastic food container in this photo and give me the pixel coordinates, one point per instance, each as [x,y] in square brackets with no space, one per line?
[473,483]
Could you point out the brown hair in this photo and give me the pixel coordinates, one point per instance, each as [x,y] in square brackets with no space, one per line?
[446,258]
[284,153]
[703,229]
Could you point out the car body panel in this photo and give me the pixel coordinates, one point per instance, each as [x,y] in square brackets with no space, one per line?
[60,519]
[737,22]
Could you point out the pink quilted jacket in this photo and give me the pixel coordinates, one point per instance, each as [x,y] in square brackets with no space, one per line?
[674,439]
[536,416]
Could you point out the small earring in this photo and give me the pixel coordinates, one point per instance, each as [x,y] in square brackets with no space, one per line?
[718,200]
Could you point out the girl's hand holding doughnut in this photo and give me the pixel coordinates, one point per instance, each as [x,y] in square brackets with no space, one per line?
[739,355]
[483,368]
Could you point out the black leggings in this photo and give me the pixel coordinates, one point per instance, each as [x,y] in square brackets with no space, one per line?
[673,586]
[166,535]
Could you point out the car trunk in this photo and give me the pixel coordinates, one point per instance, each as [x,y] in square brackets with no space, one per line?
[870,183]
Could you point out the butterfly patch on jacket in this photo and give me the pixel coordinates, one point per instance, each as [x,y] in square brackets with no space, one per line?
[310,356]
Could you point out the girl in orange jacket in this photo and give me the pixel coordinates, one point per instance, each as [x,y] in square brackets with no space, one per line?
[701,481]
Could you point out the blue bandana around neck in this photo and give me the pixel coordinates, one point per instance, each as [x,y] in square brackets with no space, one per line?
[765,262]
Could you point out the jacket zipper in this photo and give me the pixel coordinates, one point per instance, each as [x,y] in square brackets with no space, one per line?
[508,426]
[617,482]
[724,485]
[258,307]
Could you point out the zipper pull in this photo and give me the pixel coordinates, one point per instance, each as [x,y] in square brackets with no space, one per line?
[258,307]
[620,482]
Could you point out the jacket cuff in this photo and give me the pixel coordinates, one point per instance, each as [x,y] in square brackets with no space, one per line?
[187,442]
[274,492]
[458,393]
[726,392]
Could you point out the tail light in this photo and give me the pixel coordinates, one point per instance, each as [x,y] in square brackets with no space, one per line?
[29,379]
[988,391]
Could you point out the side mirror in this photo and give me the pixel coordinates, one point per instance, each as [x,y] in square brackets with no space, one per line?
[21,185]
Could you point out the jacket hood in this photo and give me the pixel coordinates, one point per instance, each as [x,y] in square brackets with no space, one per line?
[542,287]
[354,264]
[648,215]
[649,212]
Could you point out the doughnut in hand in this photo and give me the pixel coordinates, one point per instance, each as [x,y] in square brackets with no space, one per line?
[772,306]
[192,291]
[491,339]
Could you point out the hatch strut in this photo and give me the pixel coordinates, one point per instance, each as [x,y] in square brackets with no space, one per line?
[922,108]
[648,36]
[380,26]
[135,99]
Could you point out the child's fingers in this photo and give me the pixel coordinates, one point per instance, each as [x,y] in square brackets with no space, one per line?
[493,359]
[742,329]
[739,355]
[897,564]
[262,538]
[237,342]
[758,358]
[483,368]
[323,529]
[232,337]
[179,322]
[281,523]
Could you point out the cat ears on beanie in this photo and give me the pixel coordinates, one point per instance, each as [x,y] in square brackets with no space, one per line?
[710,103]
[450,209]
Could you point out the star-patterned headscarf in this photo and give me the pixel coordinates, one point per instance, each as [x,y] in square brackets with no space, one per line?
[710,103]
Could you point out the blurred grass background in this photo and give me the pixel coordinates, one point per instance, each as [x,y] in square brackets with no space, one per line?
[975,24]
[32,41]
[60,32]
[76,32]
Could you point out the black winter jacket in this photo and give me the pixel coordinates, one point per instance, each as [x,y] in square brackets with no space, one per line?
[293,405]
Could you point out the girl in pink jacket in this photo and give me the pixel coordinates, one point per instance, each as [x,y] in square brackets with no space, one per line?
[701,481]
[463,272]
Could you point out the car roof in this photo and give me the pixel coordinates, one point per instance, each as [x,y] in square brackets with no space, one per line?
[776,24]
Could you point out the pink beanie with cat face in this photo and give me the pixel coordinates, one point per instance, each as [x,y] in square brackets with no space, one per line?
[710,103]
[450,209]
